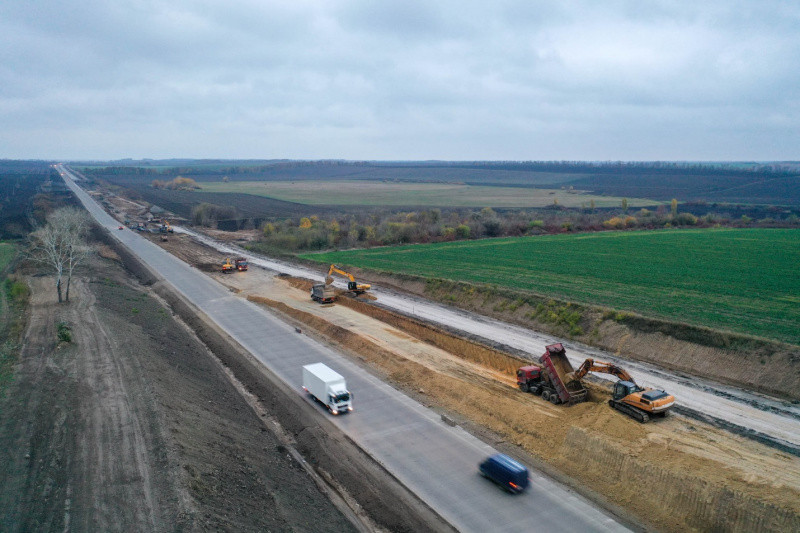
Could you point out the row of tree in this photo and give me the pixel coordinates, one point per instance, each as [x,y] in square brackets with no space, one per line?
[382,229]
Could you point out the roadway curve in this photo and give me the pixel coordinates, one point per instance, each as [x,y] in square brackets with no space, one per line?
[434,460]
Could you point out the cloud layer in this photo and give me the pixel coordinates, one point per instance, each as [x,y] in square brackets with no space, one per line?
[400,80]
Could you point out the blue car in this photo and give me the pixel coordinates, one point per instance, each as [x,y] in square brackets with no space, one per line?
[506,472]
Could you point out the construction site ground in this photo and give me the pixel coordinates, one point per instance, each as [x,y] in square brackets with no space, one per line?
[673,474]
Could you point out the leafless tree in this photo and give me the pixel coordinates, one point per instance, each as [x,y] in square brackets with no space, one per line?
[61,244]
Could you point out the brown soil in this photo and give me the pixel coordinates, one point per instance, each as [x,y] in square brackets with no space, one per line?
[133,426]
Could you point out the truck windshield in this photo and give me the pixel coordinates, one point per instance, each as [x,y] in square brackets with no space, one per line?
[343,397]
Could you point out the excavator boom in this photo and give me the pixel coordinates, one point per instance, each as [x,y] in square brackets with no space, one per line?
[355,287]
[590,365]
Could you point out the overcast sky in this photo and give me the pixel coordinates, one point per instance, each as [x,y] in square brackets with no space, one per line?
[410,79]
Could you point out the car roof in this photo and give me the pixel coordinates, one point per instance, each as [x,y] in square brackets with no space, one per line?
[508,462]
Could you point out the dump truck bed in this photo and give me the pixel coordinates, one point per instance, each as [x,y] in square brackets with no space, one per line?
[557,368]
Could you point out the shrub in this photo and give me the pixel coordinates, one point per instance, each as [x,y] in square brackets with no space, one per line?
[64,333]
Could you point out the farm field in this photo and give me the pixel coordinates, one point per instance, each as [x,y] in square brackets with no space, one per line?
[374,192]
[741,280]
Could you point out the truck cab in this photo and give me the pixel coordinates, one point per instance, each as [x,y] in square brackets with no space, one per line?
[529,377]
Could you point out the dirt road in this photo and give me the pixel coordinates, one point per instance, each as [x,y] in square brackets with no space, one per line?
[133,426]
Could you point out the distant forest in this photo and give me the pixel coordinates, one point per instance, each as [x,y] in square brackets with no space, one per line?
[20,200]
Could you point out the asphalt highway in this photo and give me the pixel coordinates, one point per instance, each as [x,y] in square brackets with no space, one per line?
[434,460]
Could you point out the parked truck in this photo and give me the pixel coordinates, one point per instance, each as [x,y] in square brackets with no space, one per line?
[323,293]
[241,264]
[553,378]
[327,387]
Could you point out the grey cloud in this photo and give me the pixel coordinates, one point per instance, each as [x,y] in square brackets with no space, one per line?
[356,79]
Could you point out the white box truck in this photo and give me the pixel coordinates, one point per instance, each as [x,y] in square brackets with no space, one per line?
[327,387]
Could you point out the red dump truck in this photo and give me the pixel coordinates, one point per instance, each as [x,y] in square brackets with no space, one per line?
[553,378]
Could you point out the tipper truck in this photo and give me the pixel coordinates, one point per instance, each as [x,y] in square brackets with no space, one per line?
[327,387]
[323,293]
[553,378]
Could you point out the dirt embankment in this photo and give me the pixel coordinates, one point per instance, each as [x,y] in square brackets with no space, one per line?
[752,363]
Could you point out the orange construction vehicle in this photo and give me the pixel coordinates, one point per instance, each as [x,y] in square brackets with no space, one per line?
[352,285]
[228,266]
[628,397]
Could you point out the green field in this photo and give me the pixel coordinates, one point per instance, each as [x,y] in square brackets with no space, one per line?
[741,280]
[379,193]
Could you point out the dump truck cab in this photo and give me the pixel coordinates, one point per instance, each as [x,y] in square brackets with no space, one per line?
[529,377]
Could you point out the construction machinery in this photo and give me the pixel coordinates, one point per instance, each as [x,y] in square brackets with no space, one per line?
[228,266]
[552,378]
[240,263]
[352,286]
[323,293]
[628,397]
[165,227]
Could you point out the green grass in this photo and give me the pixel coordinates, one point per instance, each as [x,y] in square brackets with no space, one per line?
[353,192]
[7,252]
[741,280]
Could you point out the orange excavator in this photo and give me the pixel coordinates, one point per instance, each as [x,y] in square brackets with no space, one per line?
[352,285]
[628,397]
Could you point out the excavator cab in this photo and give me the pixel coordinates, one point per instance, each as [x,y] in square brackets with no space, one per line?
[623,389]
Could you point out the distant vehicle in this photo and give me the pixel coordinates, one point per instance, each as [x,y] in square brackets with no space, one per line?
[228,266]
[323,293]
[327,387]
[506,472]
[241,264]
[120,227]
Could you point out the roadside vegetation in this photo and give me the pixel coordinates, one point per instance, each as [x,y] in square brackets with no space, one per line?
[741,280]
[14,295]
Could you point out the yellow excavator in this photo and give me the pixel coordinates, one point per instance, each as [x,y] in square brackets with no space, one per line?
[628,397]
[352,285]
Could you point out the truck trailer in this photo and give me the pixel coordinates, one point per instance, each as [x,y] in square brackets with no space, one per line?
[327,387]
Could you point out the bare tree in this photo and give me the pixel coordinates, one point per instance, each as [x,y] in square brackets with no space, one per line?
[61,244]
